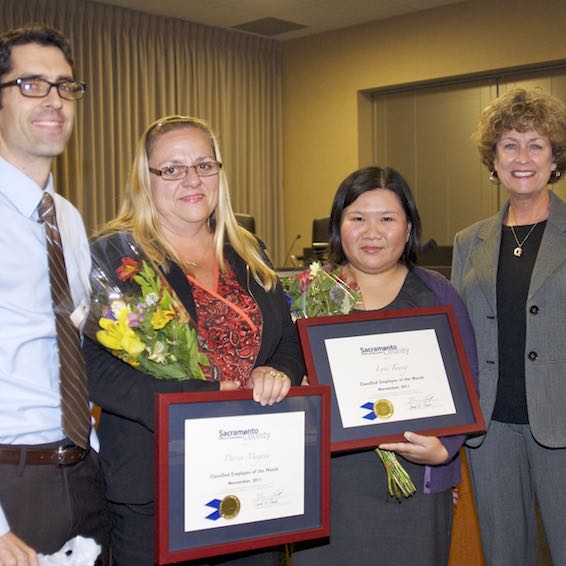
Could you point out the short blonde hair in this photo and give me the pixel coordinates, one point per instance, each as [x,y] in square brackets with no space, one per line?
[523,110]
[138,215]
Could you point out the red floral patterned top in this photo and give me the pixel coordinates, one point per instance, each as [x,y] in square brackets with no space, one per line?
[230,325]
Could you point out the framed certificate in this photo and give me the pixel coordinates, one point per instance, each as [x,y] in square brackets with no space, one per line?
[392,372]
[232,475]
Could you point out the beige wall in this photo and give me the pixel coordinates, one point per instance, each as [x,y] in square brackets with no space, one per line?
[323,74]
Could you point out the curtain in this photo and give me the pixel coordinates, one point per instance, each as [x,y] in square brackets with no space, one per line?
[140,67]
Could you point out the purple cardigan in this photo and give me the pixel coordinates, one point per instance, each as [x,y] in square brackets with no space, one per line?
[440,478]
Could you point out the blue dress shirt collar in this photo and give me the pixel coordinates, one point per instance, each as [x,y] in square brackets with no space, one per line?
[20,190]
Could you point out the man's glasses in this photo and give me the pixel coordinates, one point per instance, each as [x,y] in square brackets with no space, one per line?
[177,172]
[40,88]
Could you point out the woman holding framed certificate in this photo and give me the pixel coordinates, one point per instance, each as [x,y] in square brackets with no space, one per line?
[374,236]
[177,212]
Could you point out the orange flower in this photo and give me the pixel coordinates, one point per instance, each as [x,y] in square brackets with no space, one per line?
[129,269]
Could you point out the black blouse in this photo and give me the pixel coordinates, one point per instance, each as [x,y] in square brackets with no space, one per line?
[513,280]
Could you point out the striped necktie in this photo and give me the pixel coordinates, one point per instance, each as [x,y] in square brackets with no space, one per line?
[72,371]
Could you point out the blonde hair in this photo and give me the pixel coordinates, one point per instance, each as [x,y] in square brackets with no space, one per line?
[138,215]
[523,110]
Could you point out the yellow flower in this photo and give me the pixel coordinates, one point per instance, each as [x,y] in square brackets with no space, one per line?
[131,360]
[161,318]
[117,335]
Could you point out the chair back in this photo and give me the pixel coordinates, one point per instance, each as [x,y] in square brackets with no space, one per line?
[320,232]
[246,221]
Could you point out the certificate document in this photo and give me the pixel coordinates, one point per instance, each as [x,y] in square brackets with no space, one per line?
[244,468]
[389,377]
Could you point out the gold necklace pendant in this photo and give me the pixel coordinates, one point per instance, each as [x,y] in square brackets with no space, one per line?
[518,251]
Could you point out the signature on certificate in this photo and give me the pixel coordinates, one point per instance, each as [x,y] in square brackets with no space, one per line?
[268,499]
[421,401]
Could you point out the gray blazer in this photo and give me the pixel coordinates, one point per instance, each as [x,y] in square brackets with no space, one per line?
[474,274]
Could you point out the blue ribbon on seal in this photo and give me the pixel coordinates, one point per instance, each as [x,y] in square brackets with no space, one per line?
[215,504]
[371,416]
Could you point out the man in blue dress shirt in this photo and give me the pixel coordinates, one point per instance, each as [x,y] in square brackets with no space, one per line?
[50,489]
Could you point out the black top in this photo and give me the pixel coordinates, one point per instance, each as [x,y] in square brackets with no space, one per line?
[414,293]
[513,280]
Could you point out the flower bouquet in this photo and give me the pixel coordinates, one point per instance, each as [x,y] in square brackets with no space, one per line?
[320,291]
[137,316]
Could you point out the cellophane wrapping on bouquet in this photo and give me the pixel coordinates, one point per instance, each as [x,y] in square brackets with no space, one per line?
[136,315]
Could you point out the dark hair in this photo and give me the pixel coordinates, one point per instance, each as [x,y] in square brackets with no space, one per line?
[31,33]
[369,179]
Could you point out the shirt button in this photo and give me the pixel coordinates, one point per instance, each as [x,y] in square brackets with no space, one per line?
[533,355]
[427,484]
[534,309]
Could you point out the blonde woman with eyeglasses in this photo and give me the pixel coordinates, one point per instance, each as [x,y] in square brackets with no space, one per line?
[177,208]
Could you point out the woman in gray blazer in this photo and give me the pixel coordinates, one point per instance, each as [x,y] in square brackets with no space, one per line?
[511,272]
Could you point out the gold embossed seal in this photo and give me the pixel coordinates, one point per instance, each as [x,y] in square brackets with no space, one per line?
[230,507]
[383,409]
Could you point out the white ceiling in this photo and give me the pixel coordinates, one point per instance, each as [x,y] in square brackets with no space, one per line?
[317,15]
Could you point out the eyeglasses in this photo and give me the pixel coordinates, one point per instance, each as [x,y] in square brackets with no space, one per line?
[177,172]
[39,88]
